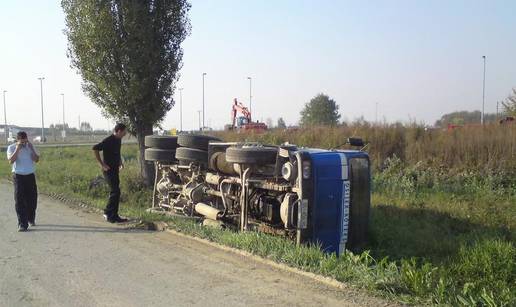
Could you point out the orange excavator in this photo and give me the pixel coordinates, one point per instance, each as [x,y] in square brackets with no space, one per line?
[243,122]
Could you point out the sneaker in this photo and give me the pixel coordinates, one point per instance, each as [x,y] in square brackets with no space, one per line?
[22,228]
[109,220]
[32,224]
[119,219]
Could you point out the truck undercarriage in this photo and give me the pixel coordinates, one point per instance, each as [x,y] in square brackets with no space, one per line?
[243,186]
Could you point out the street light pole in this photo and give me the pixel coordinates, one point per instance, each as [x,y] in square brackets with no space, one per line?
[250,95]
[42,117]
[181,109]
[64,129]
[6,129]
[483,91]
[200,119]
[203,111]
[376,114]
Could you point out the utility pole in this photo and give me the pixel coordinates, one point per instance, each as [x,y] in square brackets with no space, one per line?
[42,116]
[203,110]
[483,91]
[200,119]
[64,129]
[250,95]
[181,109]
[6,129]
[376,114]
[497,109]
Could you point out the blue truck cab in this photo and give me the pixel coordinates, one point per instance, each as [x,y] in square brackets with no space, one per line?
[335,193]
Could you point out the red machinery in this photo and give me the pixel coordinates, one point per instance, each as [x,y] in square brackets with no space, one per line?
[244,122]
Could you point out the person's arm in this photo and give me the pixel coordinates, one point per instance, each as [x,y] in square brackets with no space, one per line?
[11,157]
[34,154]
[96,151]
[103,165]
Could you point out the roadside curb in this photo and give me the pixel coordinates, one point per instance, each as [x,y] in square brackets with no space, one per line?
[319,278]
[327,281]
[71,202]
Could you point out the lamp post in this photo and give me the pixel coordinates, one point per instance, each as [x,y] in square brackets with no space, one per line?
[64,129]
[250,94]
[181,109]
[6,129]
[42,117]
[203,110]
[376,114]
[200,119]
[483,91]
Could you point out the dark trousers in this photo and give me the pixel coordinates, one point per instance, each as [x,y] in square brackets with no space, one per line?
[25,198]
[113,180]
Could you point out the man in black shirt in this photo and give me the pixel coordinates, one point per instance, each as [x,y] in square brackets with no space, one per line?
[111,165]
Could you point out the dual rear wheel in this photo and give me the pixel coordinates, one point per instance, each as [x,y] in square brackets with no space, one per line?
[187,148]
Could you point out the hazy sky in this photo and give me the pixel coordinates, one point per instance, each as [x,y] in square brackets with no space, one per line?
[417,59]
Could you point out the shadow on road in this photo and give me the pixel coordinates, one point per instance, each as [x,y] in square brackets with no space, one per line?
[77,228]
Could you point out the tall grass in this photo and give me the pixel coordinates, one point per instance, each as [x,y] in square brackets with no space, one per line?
[490,148]
[443,218]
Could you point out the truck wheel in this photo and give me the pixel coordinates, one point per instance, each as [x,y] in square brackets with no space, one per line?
[192,155]
[251,155]
[160,155]
[195,141]
[161,141]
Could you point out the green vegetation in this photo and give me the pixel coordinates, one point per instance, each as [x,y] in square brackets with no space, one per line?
[443,217]
[463,118]
[509,105]
[321,110]
[281,123]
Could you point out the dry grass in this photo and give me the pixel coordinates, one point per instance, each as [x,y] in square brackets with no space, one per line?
[484,149]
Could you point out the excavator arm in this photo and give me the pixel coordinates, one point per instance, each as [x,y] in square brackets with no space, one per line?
[239,107]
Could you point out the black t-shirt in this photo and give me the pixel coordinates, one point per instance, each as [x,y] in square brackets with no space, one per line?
[110,147]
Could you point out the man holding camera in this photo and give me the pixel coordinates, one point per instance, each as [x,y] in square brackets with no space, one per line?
[23,156]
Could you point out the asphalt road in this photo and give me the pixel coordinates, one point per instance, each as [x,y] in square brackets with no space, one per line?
[74,258]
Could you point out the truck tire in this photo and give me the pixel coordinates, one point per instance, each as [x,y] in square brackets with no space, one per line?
[251,155]
[192,155]
[160,155]
[161,141]
[196,141]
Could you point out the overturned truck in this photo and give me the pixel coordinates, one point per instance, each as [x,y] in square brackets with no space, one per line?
[308,195]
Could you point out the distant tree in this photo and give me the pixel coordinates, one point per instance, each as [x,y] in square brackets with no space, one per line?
[281,123]
[86,127]
[129,55]
[509,105]
[463,117]
[321,110]
[269,122]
